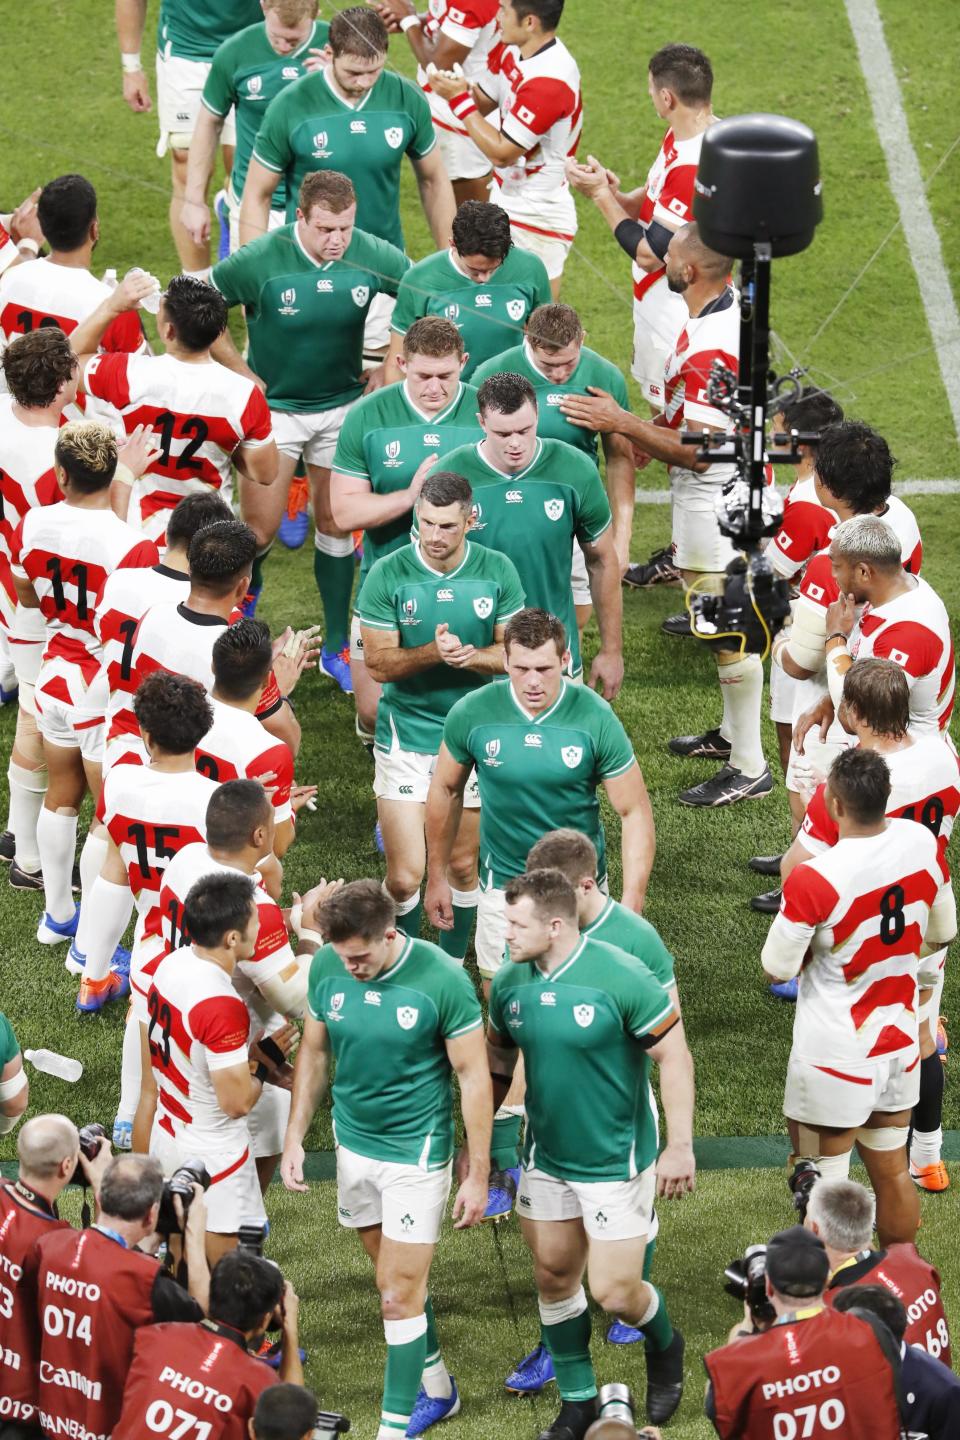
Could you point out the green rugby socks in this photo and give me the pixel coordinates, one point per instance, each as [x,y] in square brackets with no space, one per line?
[565,1328]
[406,1353]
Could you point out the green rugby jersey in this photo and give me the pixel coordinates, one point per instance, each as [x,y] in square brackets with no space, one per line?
[490,316]
[532,516]
[194,31]
[307,127]
[404,594]
[391,1087]
[9,1048]
[385,438]
[536,772]
[626,930]
[247,73]
[552,424]
[305,317]
[583,1032]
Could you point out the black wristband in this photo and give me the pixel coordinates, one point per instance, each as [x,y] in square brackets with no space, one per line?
[836,635]
[628,235]
[272,1050]
[261,1072]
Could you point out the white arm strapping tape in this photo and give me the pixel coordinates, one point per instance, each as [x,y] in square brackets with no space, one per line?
[13,1086]
[807,636]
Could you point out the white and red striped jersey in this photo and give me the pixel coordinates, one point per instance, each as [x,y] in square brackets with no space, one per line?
[541,111]
[712,335]
[8,249]
[180,641]
[125,600]
[924,787]
[851,923]
[44,293]
[201,414]
[668,199]
[914,630]
[198,1025]
[273,953]
[471,23]
[237,747]
[26,481]
[805,529]
[67,552]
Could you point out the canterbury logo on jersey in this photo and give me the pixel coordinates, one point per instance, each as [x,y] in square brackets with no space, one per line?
[444,594]
[548,997]
[534,740]
[514,497]
[372,997]
[431,439]
[358,127]
[482,301]
[290,72]
[324,287]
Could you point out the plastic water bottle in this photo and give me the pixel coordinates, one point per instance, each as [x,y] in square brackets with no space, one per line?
[110,279]
[149,302]
[50,1063]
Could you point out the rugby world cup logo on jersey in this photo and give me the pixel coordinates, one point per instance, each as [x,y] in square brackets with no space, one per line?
[254,86]
[289,305]
[477,521]
[408,612]
[391,452]
[361,294]
[515,309]
[394,137]
[407,1016]
[320,151]
[491,751]
[583,1014]
[336,1005]
[452,312]
[483,607]
[554,509]
[571,755]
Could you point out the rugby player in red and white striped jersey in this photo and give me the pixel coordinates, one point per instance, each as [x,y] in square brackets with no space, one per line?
[852,925]
[925,787]
[534,82]
[41,375]
[680,86]
[204,415]
[62,555]
[61,290]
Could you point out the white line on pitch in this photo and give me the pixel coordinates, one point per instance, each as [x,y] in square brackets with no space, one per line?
[906,184]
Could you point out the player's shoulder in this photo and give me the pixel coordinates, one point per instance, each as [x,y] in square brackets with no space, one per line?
[485,705]
[326,963]
[189,856]
[431,969]
[612,966]
[512,361]
[587,704]
[484,562]
[559,458]
[397,90]
[365,248]
[395,566]
[463,459]
[431,269]
[913,838]
[244,46]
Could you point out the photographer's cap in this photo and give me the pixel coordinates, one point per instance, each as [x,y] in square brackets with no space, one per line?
[797,1263]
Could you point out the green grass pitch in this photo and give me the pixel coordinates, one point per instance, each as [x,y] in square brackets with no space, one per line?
[65,113]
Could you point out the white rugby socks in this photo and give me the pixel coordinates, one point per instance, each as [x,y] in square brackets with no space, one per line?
[56,842]
[741,685]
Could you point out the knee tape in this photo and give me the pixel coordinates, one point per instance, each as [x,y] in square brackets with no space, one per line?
[886,1137]
[833,1167]
[338,546]
[34,781]
[554,1312]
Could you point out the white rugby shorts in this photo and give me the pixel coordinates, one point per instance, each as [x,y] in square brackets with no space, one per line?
[406,775]
[579,580]
[376,332]
[843,1095]
[551,249]
[275,220]
[609,1209]
[356,641]
[234,1197]
[697,539]
[311,436]
[658,319]
[180,85]
[77,723]
[463,159]
[783,688]
[407,1202]
[267,1122]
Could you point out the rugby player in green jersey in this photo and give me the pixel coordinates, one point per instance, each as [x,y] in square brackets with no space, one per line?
[432,617]
[533,498]
[376,992]
[587,1020]
[247,72]
[355,117]
[386,445]
[553,357]
[306,289]
[14,1087]
[187,38]
[483,282]
[599,917]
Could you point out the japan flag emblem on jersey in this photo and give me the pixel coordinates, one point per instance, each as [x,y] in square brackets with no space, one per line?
[515,309]
[571,755]
[554,509]
[361,294]
[393,137]
[899,657]
[407,1016]
[583,1014]
[483,605]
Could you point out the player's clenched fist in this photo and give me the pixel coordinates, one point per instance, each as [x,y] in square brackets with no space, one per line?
[136,91]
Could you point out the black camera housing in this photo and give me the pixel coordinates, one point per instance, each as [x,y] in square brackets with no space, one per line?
[181,1182]
[805,1175]
[746,1280]
[90,1137]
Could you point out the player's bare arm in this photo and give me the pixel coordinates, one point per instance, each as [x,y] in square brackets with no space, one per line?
[257,463]
[130,16]
[621,483]
[467,1056]
[225,351]
[436,196]
[311,1074]
[26,595]
[202,156]
[131,290]
[820,717]
[497,147]
[593,180]
[599,411]
[638,838]
[356,507]
[258,191]
[676,1167]
[441,823]
[603,573]
[437,49]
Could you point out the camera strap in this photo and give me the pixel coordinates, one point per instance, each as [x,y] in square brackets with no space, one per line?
[229,1332]
[40,1201]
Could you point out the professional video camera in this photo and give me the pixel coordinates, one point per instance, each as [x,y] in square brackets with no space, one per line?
[746,1281]
[756,197]
[617,1416]
[181,1182]
[90,1137]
